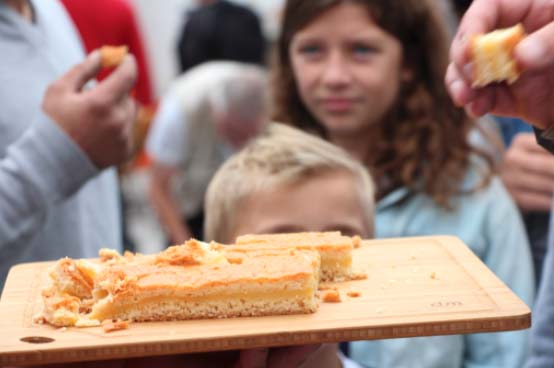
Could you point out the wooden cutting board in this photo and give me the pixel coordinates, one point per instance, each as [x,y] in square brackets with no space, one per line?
[415,287]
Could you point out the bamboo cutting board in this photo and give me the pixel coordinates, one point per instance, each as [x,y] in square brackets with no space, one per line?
[415,287]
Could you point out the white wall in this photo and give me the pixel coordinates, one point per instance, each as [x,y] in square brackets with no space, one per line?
[161,21]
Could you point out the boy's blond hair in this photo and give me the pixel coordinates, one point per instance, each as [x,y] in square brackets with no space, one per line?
[279,155]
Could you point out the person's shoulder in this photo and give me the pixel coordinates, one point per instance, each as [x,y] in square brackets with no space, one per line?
[235,9]
[215,69]
[49,9]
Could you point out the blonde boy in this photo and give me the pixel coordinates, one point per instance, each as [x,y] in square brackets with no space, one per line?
[289,181]
[283,181]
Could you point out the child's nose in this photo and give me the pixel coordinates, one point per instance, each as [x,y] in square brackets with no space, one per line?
[336,72]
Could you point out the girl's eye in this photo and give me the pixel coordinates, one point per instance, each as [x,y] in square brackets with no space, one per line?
[311,50]
[362,50]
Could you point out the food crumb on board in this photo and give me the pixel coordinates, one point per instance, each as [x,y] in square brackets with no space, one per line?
[353,293]
[359,275]
[434,276]
[323,287]
[39,319]
[330,296]
[109,325]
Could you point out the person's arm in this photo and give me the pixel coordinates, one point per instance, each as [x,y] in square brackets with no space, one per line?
[165,205]
[531,97]
[40,169]
[81,132]
[165,144]
[508,255]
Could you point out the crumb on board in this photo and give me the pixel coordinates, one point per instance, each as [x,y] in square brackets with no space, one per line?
[434,276]
[356,241]
[358,275]
[330,296]
[39,319]
[322,287]
[353,293]
[109,325]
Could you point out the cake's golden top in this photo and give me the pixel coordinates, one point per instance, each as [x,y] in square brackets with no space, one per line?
[193,252]
[319,240]
[286,265]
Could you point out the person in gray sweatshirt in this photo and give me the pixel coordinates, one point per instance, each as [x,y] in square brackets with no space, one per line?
[59,136]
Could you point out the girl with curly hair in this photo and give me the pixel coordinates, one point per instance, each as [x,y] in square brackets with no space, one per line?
[367,75]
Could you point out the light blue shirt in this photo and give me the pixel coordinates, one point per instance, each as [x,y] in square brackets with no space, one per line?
[490,224]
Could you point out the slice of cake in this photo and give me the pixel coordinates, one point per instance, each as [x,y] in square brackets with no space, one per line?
[334,248]
[258,285]
[194,280]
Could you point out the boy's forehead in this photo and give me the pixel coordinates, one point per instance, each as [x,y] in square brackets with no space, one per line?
[322,202]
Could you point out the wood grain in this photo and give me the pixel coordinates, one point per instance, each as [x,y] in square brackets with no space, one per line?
[415,287]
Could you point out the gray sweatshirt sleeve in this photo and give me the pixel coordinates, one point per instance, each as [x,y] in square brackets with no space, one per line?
[44,166]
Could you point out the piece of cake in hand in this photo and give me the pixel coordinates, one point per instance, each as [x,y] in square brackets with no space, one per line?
[112,56]
[492,56]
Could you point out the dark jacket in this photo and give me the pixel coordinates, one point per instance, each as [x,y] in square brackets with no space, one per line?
[221,31]
[542,333]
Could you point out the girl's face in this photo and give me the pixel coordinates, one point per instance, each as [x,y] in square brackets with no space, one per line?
[347,69]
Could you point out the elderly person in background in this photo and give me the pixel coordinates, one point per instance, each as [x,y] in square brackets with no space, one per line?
[210,111]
